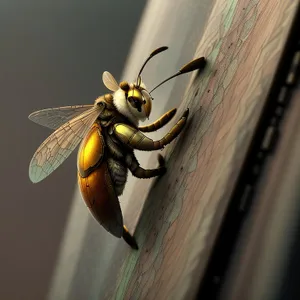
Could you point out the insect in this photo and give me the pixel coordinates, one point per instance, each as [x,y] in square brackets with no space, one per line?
[109,133]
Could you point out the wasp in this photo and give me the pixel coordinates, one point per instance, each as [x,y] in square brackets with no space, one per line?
[109,133]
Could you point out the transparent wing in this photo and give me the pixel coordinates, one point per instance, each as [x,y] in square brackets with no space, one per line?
[55,117]
[109,81]
[60,144]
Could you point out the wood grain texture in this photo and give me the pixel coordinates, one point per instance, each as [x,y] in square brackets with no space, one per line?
[243,42]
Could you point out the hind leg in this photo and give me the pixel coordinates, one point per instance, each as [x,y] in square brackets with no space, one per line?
[129,238]
[137,171]
[118,174]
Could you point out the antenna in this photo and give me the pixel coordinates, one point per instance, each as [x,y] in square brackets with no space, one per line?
[196,64]
[153,53]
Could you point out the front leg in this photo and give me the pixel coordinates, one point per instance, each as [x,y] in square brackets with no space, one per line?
[162,121]
[135,139]
[137,171]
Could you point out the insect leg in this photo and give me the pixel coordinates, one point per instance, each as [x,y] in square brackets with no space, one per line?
[135,139]
[139,172]
[162,121]
[175,131]
[129,238]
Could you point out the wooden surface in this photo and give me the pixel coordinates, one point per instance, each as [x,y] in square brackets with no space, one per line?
[243,42]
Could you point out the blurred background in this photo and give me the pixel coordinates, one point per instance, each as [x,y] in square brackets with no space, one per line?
[53,54]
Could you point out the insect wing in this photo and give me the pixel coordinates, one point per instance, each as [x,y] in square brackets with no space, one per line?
[60,144]
[53,118]
[109,81]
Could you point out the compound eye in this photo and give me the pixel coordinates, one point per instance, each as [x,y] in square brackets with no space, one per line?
[132,99]
[135,102]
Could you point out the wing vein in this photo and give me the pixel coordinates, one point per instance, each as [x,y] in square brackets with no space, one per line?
[60,144]
[53,118]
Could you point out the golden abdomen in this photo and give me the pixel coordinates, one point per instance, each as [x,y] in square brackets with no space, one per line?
[95,183]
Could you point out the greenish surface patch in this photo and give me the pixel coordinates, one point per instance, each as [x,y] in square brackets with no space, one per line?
[229,14]
[230,73]
[251,5]
[247,28]
[211,58]
[177,206]
[193,161]
[126,273]
[218,97]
